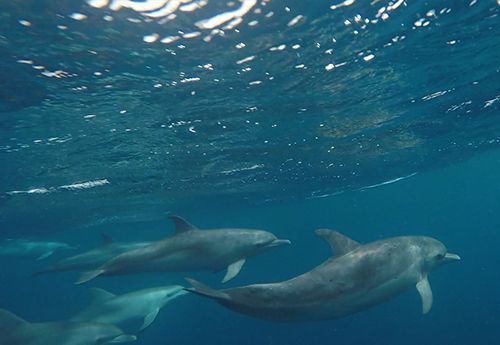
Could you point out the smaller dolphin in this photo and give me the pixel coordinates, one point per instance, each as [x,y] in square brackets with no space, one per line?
[26,247]
[16,331]
[191,249]
[355,277]
[109,308]
[93,258]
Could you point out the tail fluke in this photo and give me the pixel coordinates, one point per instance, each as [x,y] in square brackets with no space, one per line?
[204,290]
[88,276]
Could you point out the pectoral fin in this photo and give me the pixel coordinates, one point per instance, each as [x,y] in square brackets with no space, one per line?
[148,320]
[424,289]
[87,276]
[45,255]
[233,270]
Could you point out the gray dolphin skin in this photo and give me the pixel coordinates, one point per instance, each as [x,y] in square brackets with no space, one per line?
[109,308]
[354,278]
[93,258]
[191,249]
[16,331]
[25,247]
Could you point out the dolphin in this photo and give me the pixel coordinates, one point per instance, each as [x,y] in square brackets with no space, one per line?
[16,331]
[26,247]
[93,258]
[191,249]
[109,308]
[356,277]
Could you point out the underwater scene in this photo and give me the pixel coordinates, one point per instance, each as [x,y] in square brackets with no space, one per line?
[249,172]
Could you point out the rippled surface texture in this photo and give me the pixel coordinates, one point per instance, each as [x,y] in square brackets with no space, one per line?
[139,105]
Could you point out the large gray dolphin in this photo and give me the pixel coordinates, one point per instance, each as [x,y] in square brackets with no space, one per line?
[191,249]
[109,308]
[26,247]
[354,278]
[16,331]
[93,258]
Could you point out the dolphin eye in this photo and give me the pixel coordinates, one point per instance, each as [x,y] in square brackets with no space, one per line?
[440,256]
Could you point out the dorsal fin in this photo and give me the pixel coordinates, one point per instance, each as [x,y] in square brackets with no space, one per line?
[106,239]
[100,295]
[340,244]
[181,225]
[9,320]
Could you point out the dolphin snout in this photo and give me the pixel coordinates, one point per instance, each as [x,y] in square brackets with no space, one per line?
[278,242]
[451,257]
[124,338]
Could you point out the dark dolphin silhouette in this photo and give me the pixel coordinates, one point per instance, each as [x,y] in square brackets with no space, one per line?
[16,331]
[93,258]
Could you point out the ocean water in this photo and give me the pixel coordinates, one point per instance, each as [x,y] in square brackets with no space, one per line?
[374,118]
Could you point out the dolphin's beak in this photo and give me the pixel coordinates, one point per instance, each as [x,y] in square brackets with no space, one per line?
[179,293]
[124,338]
[277,243]
[451,257]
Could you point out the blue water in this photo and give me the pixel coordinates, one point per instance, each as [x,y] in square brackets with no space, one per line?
[377,119]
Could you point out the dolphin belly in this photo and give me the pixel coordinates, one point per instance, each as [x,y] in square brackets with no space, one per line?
[319,305]
[358,301]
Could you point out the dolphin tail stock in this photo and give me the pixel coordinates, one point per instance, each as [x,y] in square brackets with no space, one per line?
[88,276]
[204,290]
